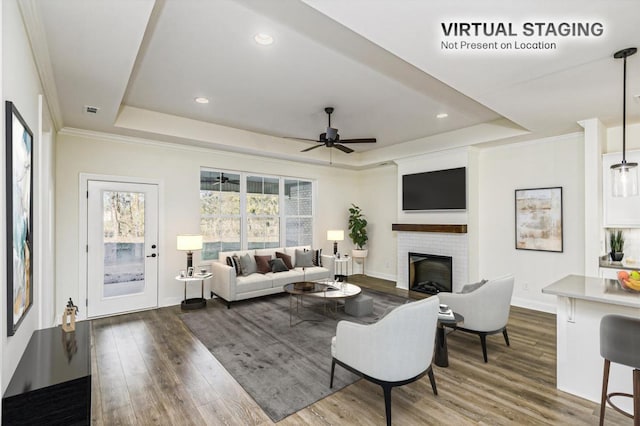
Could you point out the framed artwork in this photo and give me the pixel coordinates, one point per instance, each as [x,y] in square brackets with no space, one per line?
[19,178]
[539,219]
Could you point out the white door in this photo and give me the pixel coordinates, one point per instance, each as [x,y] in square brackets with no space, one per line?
[122,249]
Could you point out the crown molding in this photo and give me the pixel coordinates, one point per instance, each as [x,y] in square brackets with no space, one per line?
[132,140]
[35,32]
[536,141]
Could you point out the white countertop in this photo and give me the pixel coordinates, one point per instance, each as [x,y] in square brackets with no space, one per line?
[594,289]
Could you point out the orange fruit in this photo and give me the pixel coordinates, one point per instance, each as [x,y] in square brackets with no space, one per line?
[623,275]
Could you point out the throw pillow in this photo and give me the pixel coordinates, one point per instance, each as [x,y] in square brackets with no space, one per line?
[316,257]
[248,264]
[234,262]
[278,265]
[471,287]
[303,259]
[262,263]
[285,258]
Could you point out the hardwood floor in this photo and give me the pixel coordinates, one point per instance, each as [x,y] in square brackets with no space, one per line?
[149,369]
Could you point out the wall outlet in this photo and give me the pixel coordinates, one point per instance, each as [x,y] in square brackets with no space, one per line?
[525,286]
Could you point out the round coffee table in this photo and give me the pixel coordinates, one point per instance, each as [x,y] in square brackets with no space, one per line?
[298,291]
[442,353]
[338,291]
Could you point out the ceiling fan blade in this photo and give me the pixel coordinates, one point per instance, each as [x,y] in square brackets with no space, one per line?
[343,148]
[302,139]
[311,147]
[365,140]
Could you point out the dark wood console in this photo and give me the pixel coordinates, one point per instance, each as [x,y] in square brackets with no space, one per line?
[52,383]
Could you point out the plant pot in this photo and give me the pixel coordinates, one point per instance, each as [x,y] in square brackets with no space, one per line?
[616,256]
[359,253]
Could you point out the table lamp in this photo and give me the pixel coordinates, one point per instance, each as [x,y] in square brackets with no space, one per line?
[335,235]
[189,243]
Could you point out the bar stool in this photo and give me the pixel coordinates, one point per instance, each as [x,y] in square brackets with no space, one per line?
[620,343]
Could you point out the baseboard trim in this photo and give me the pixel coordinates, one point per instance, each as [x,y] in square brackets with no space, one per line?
[533,304]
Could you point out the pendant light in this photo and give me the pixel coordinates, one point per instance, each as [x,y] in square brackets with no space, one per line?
[624,176]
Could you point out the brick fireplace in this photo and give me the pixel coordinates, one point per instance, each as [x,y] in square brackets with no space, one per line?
[443,240]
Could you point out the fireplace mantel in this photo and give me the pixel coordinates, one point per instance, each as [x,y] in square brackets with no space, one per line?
[421,227]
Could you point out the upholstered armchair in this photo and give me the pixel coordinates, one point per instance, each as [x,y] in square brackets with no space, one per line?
[485,310]
[394,351]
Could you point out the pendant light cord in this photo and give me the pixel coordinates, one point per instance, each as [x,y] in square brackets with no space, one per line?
[624,110]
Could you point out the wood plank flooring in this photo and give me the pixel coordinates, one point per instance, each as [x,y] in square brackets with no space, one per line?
[148,369]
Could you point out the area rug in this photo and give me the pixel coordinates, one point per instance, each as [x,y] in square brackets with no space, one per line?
[283,368]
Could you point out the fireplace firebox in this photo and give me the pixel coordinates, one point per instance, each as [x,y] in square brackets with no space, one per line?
[430,273]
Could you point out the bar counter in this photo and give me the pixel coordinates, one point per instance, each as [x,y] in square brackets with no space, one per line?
[581,303]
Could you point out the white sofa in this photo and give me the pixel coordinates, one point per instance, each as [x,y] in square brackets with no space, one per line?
[229,287]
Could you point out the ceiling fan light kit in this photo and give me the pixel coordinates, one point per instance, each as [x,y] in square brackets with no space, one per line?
[330,138]
[624,175]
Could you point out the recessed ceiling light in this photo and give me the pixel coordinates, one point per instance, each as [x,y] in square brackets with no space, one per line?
[201,100]
[263,39]
[442,115]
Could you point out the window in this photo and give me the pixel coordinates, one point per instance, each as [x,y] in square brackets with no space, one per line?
[298,196]
[241,211]
[263,218]
[220,216]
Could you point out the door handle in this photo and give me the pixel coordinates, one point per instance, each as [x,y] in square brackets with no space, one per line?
[152,255]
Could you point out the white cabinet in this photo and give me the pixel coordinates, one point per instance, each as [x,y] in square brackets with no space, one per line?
[619,212]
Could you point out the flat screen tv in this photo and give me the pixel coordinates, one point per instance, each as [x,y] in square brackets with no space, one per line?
[436,190]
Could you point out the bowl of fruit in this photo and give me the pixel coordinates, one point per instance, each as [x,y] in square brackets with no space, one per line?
[629,281]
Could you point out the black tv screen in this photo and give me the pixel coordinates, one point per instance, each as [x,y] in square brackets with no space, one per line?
[437,190]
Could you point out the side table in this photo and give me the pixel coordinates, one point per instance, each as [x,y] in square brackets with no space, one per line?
[442,353]
[194,302]
[342,268]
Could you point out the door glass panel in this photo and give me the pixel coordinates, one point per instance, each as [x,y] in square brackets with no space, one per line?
[124,256]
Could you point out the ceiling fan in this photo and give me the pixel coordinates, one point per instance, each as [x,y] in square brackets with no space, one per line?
[331,138]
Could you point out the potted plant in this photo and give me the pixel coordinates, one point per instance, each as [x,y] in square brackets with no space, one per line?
[616,241]
[358,231]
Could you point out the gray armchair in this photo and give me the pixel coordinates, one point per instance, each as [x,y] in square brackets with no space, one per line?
[395,351]
[485,310]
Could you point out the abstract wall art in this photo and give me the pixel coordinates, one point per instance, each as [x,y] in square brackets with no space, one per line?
[19,192]
[539,219]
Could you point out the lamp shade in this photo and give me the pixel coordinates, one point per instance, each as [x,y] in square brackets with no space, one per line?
[624,180]
[335,235]
[189,242]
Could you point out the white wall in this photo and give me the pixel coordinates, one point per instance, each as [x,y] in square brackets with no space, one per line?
[3,229]
[377,196]
[548,162]
[178,168]
[21,85]
[614,138]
